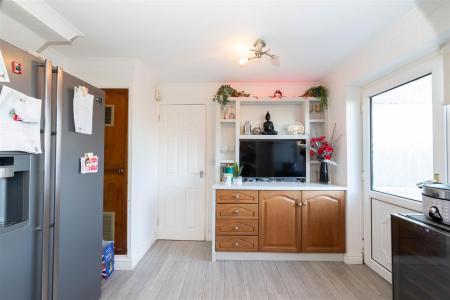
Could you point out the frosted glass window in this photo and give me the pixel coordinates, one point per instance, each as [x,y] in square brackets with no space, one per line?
[402,138]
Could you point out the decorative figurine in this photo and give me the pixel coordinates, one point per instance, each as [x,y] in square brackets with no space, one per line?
[256,131]
[268,126]
[278,94]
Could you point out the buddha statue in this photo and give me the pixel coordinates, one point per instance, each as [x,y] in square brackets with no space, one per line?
[268,126]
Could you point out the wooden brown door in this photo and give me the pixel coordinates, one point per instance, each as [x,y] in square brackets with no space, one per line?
[279,221]
[323,221]
[116,152]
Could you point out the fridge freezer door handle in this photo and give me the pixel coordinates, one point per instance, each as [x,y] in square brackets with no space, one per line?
[47,181]
[57,197]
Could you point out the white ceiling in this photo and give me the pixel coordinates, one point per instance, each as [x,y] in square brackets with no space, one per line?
[203,41]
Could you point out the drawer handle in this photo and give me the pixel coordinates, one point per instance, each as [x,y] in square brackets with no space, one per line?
[236,212]
[236,228]
[236,196]
[236,244]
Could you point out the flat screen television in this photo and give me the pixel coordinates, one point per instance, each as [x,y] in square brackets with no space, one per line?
[273,158]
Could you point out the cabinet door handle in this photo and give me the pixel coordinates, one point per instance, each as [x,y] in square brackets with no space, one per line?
[305,204]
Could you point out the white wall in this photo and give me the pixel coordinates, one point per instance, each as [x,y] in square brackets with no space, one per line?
[202,93]
[142,144]
[412,37]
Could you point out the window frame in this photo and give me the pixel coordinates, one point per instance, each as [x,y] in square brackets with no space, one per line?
[370,116]
[441,143]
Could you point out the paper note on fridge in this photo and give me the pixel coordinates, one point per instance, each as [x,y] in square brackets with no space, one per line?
[20,122]
[82,110]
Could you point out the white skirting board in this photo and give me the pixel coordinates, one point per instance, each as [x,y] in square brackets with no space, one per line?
[278,256]
[125,262]
[122,263]
[353,258]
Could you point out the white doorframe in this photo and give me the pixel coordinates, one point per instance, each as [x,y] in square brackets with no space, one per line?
[204,161]
[429,65]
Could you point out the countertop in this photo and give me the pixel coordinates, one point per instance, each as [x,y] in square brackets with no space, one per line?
[274,186]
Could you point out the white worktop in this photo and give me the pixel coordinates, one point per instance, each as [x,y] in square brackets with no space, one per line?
[274,186]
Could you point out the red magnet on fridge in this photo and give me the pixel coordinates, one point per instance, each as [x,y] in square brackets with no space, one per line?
[17,67]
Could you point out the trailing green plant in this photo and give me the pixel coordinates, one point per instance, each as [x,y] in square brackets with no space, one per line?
[225,91]
[320,92]
[237,170]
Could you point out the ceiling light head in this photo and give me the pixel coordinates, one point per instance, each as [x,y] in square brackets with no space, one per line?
[259,44]
[259,52]
[243,61]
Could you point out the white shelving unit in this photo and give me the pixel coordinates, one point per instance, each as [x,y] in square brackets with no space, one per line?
[284,111]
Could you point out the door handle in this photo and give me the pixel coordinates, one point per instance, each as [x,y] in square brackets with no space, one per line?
[201,174]
[120,171]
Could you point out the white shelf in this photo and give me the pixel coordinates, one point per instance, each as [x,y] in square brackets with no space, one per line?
[317,120]
[226,161]
[273,137]
[227,121]
[270,100]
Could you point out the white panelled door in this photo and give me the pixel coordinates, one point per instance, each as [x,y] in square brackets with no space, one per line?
[181,195]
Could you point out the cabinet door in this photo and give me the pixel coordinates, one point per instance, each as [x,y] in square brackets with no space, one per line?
[323,221]
[279,221]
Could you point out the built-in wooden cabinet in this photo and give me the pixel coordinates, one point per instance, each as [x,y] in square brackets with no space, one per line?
[280,221]
[323,221]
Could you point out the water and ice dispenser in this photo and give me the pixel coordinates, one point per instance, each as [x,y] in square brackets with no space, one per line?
[14,191]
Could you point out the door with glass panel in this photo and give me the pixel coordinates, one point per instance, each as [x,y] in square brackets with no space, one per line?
[404,145]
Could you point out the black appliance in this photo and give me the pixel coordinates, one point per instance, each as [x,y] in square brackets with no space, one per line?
[267,158]
[420,258]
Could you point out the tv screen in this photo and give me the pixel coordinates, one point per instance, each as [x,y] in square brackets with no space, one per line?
[273,158]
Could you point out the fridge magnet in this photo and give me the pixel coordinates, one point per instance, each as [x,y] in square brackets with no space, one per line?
[17,67]
[3,73]
[89,163]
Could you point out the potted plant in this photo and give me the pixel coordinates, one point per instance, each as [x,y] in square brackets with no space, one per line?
[237,178]
[225,91]
[320,92]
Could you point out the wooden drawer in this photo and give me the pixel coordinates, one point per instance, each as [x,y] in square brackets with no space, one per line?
[237,227]
[237,243]
[237,211]
[236,196]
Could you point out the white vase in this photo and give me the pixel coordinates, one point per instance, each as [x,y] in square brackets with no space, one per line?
[237,180]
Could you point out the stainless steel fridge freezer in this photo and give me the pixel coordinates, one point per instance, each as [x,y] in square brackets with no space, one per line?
[52,248]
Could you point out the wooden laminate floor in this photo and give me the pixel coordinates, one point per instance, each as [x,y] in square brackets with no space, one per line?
[182,270]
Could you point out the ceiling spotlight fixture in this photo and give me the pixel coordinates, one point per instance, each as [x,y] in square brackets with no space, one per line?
[259,52]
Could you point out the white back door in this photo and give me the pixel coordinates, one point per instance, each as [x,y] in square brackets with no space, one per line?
[181,194]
